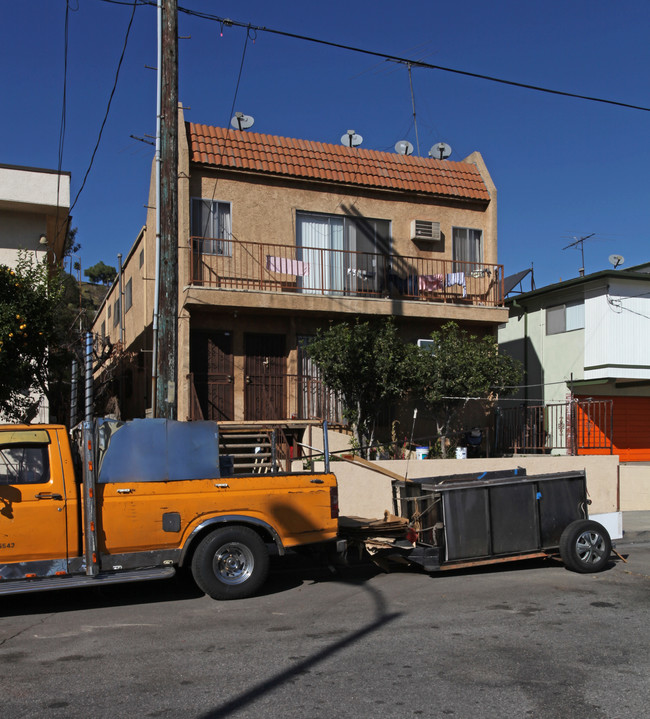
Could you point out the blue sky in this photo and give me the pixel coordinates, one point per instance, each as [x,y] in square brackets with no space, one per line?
[563,167]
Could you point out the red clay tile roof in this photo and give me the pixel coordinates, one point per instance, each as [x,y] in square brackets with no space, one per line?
[273,155]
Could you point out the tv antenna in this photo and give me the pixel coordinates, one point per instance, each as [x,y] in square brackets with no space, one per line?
[616,260]
[580,241]
[403,147]
[351,139]
[241,121]
[440,151]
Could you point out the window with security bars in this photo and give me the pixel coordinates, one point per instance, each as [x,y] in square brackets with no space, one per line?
[211,227]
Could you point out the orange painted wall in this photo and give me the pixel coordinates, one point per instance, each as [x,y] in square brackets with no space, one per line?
[631,427]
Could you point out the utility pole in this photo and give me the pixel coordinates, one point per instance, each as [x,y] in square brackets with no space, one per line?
[166,402]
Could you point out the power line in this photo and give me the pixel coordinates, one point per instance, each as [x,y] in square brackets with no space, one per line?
[387,56]
[134,4]
[396,58]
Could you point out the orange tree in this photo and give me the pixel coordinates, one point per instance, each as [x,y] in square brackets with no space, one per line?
[32,334]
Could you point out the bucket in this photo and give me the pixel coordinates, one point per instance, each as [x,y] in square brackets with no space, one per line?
[421,452]
[461,452]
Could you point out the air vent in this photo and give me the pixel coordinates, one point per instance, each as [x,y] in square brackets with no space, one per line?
[425,230]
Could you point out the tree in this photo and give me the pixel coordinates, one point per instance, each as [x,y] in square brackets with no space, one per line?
[101,273]
[461,366]
[368,364]
[31,333]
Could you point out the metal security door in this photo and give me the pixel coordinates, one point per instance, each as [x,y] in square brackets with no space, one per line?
[211,364]
[265,377]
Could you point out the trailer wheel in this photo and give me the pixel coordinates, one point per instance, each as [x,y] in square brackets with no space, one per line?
[585,546]
[230,563]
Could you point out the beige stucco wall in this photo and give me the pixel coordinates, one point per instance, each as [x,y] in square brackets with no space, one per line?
[635,487]
[365,493]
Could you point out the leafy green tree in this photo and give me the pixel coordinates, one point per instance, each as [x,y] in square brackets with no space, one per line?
[31,333]
[460,367]
[101,273]
[369,365]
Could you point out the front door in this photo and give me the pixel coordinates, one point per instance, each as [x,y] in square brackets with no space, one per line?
[32,503]
[265,370]
[211,365]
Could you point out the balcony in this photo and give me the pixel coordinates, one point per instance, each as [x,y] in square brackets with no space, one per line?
[257,266]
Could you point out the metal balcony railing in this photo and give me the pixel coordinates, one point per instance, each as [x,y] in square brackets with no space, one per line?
[577,427]
[287,396]
[255,266]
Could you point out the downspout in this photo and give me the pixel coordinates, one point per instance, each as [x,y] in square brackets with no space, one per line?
[156,292]
[121,298]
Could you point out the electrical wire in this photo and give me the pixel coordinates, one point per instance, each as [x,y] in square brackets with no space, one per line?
[227,22]
[415,63]
[241,67]
[134,5]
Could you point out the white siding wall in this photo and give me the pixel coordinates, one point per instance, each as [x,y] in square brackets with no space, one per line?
[617,324]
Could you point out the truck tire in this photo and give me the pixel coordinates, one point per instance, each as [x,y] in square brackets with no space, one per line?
[585,546]
[230,563]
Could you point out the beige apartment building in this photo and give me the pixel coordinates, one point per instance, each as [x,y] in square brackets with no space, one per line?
[278,237]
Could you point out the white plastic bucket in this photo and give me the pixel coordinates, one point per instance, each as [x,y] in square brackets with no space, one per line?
[421,452]
[461,452]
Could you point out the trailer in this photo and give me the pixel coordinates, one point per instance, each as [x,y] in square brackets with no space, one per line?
[471,520]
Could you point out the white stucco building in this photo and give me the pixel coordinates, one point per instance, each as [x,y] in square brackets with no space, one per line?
[34,216]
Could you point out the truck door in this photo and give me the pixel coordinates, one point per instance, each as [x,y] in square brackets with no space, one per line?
[32,503]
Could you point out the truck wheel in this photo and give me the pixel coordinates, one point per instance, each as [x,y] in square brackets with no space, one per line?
[585,546]
[230,563]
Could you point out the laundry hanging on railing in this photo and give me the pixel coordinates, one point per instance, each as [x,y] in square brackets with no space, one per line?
[457,278]
[286,266]
[430,283]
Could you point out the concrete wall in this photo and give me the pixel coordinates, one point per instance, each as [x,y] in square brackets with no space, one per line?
[365,493]
[635,487]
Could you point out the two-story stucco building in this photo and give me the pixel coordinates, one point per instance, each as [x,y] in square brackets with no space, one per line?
[582,340]
[278,237]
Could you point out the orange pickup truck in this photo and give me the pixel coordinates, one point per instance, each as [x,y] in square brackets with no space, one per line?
[129,501]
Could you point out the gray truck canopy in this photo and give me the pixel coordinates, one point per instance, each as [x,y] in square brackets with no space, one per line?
[157,450]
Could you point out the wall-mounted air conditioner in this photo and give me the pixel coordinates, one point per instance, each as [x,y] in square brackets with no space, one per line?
[425,230]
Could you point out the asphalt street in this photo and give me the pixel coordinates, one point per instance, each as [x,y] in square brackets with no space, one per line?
[524,640]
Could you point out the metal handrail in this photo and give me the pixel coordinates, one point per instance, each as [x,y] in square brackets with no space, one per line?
[274,267]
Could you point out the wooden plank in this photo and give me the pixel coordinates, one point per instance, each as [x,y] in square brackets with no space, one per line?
[353,459]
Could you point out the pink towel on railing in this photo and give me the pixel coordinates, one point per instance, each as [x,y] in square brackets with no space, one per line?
[287,267]
[430,283]
[457,278]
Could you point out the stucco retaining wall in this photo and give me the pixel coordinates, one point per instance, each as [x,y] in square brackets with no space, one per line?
[612,487]
[365,493]
[635,487]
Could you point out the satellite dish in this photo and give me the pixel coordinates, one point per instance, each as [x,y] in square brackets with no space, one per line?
[440,151]
[241,121]
[351,139]
[403,147]
[616,260]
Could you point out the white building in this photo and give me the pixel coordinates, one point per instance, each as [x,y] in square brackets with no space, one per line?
[586,338]
[34,210]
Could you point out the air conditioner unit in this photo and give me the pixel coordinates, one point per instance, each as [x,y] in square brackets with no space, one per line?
[425,230]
